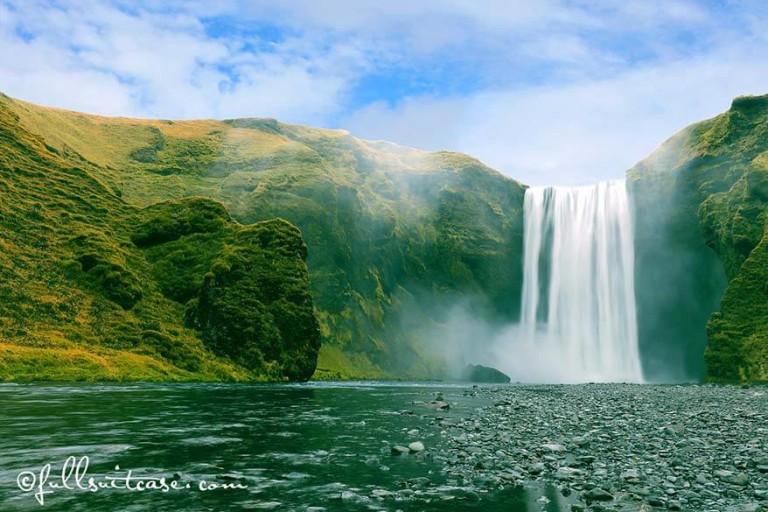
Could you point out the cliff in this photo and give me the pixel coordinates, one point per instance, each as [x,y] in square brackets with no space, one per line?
[700,211]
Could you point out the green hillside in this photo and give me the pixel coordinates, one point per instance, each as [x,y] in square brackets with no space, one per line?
[704,195]
[92,287]
[396,236]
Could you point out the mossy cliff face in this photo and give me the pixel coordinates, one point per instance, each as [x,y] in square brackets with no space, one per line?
[245,288]
[89,290]
[396,237]
[700,205]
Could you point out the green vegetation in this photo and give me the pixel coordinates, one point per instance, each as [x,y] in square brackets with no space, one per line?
[395,236]
[705,193]
[93,288]
[245,288]
[154,249]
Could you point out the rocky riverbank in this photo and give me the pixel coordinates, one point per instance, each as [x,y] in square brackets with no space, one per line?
[615,447]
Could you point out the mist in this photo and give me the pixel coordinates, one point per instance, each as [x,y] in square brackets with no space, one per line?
[466,337]
[679,280]
[578,312]
[431,252]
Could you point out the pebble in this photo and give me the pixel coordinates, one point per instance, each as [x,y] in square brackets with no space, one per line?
[553,447]
[598,494]
[399,450]
[416,446]
[617,447]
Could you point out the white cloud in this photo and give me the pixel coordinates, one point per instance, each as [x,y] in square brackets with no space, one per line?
[559,91]
[574,134]
[95,57]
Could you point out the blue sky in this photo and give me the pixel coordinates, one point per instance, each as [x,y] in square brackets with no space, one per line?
[548,92]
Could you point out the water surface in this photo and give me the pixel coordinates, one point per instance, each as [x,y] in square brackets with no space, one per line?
[293,447]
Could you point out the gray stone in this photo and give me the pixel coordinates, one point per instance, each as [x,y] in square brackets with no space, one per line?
[741,479]
[630,474]
[418,482]
[416,446]
[399,450]
[553,447]
[566,473]
[598,494]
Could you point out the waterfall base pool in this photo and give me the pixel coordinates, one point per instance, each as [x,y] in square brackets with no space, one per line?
[307,447]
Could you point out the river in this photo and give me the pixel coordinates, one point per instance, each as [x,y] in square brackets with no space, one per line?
[314,447]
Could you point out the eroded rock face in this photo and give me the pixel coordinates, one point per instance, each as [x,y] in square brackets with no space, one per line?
[246,288]
[255,306]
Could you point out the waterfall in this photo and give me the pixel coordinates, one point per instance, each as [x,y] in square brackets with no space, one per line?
[578,302]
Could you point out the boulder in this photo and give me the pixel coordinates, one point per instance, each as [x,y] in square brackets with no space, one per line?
[479,373]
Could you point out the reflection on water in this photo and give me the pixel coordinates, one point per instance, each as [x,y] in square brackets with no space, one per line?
[307,447]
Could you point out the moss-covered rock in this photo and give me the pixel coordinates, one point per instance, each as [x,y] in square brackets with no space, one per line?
[256,308]
[701,214]
[245,288]
[479,373]
[170,221]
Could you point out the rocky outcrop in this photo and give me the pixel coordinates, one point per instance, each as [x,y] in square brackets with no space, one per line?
[245,288]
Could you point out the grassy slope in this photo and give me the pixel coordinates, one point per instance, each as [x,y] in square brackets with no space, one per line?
[76,300]
[707,189]
[394,234]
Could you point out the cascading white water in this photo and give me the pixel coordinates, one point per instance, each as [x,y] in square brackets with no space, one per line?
[578,299]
